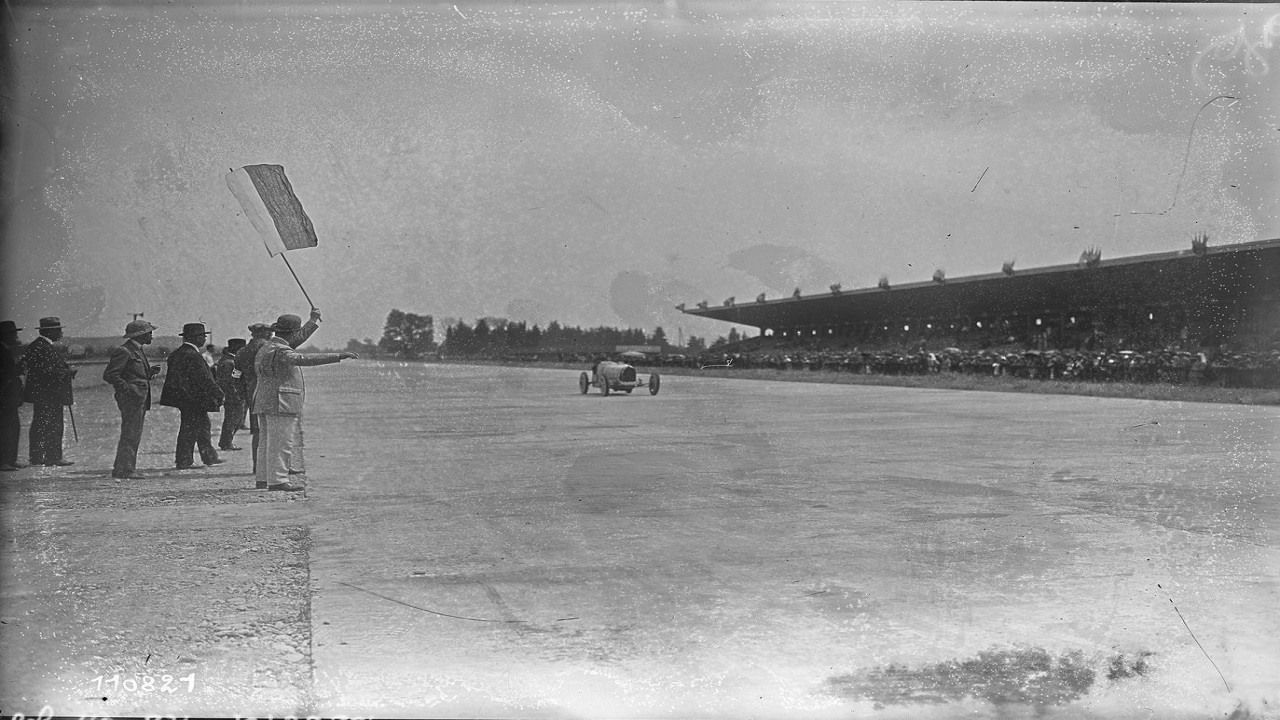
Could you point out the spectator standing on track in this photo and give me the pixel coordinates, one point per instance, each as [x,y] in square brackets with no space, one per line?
[48,389]
[189,386]
[232,383]
[278,400]
[130,372]
[10,397]
[261,334]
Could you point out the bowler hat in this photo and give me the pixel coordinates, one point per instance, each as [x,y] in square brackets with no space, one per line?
[194,330]
[8,326]
[233,345]
[287,323]
[50,323]
[138,327]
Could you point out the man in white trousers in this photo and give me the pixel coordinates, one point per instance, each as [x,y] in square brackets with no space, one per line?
[278,400]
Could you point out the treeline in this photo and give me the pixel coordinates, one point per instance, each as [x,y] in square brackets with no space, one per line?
[497,337]
[412,336]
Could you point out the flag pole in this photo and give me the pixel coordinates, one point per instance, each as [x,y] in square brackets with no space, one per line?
[295,278]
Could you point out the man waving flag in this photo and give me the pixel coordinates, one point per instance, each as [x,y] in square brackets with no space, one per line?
[268,201]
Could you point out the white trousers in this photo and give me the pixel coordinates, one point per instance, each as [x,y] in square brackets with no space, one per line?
[279,448]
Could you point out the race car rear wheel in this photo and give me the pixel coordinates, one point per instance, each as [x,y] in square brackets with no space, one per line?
[655,382]
[584,382]
[604,385]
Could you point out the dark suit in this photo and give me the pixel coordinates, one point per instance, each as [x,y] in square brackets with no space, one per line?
[10,400]
[190,387]
[232,384]
[48,389]
[129,372]
[249,378]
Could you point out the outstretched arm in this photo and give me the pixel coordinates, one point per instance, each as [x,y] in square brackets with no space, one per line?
[310,359]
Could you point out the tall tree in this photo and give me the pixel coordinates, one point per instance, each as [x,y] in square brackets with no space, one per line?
[460,339]
[407,335]
[482,339]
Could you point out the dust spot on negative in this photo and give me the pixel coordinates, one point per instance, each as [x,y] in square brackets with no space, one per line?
[1124,666]
[1030,676]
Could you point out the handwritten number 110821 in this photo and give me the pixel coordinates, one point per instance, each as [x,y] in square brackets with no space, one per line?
[144,683]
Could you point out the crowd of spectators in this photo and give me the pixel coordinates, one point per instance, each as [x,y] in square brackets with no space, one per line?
[1222,367]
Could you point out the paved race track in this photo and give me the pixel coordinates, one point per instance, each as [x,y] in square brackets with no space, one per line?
[488,542]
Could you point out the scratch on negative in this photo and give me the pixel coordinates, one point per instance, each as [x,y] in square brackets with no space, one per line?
[433,612]
[984,174]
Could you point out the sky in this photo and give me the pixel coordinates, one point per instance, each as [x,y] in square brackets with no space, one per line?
[598,163]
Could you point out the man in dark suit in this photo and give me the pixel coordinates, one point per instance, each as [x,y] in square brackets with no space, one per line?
[130,373]
[10,397]
[232,383]
[48,389]
[190,387]
[259,334]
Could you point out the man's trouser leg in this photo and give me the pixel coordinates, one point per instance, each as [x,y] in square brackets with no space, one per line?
[296,464]
[231,417]
[46,433]
[132,416]
[276,437]
[255,431]
[184,453]
[261,473]
[10,433]
[204,438]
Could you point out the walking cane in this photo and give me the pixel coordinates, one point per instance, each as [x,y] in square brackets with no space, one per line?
[72,412]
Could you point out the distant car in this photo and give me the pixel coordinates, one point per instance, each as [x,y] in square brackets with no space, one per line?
[612,376]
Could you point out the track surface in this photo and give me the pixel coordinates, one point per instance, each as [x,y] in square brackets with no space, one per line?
[485,541]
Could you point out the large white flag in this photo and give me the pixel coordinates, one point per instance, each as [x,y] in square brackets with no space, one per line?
[268,200]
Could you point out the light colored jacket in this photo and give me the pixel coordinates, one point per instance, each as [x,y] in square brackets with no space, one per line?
[278,367]
[245,364]
[129,372]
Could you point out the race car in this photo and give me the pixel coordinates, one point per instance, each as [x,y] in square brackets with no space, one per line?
[610,376]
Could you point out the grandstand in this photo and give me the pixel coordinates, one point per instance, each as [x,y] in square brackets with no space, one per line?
[1203,297]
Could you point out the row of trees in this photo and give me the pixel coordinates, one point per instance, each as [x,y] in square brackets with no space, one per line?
[411,336]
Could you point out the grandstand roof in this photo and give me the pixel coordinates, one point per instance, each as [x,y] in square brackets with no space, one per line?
[1225,275]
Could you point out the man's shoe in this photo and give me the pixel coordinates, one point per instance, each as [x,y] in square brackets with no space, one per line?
[230,448]
[185,466]
[60,463]
[129,476]
[296,472]
[215,461]
[286,487]
[260,485]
